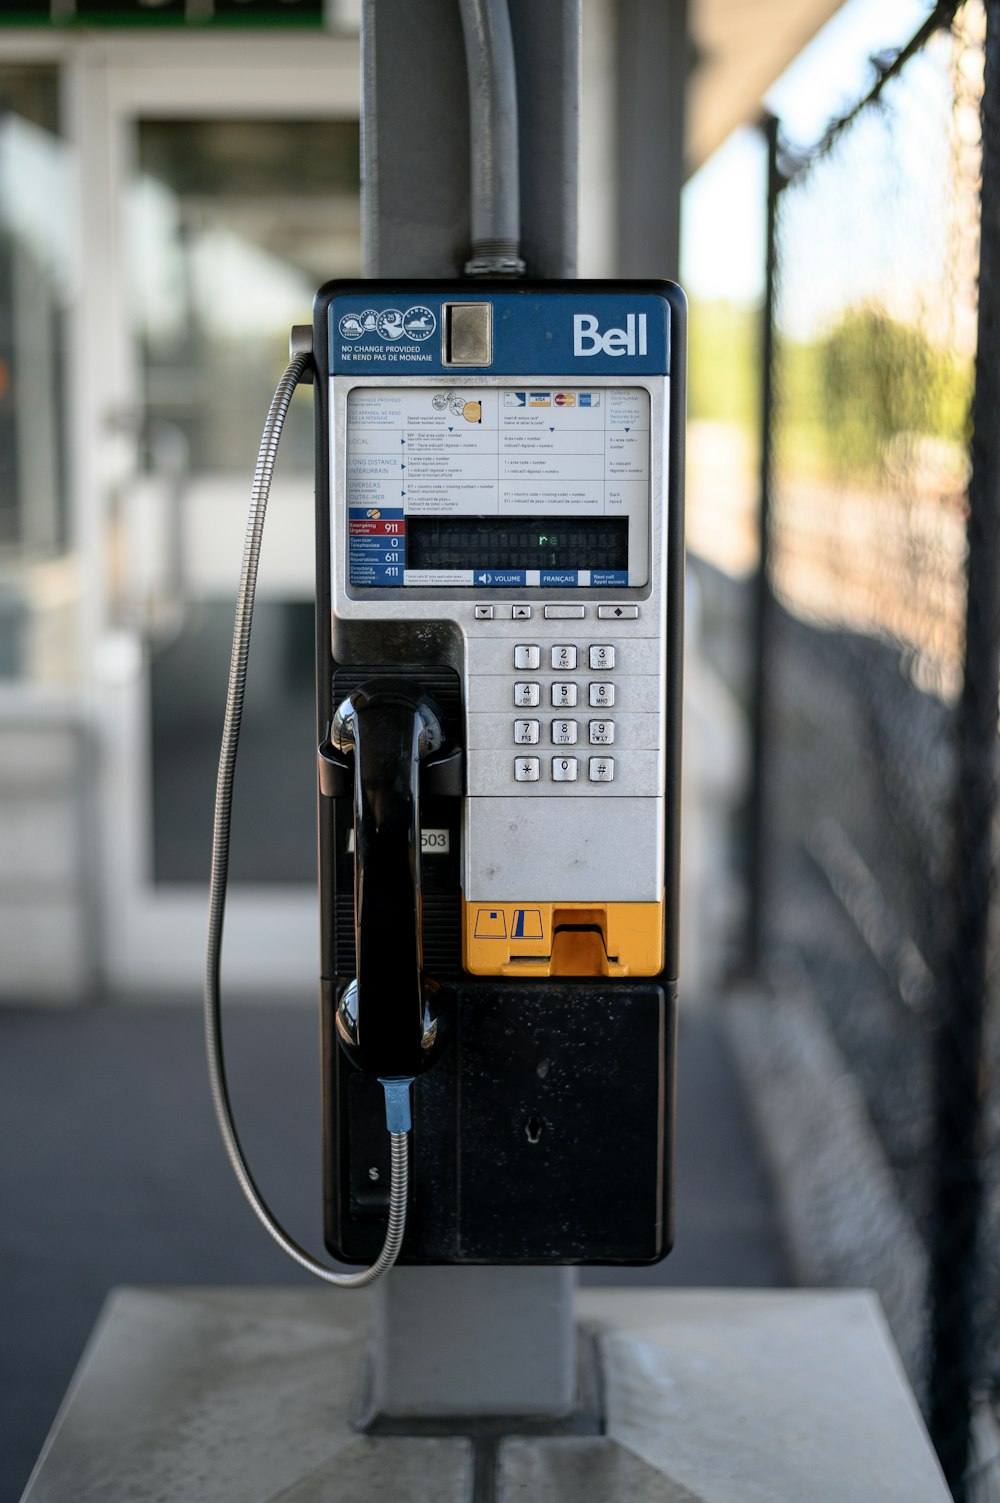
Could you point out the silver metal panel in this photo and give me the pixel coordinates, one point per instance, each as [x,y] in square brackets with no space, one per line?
[516,849]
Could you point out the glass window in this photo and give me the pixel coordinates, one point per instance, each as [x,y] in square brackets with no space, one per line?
[37,576]
[236,223]
[233,226]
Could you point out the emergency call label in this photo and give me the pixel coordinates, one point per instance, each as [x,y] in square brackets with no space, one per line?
[536,456]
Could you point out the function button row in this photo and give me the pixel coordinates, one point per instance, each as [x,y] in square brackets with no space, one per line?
[557,612]
[563,696]
[562,656]
[564,732]
[564,769]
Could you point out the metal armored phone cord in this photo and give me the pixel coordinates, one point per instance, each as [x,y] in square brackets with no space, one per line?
[396,1091]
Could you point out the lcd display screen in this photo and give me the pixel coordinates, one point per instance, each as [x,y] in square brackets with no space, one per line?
[517,543]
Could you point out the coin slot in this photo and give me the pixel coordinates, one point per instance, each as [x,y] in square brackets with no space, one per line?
[467,334]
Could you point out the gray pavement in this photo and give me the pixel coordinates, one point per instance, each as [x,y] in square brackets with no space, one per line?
[112,1173]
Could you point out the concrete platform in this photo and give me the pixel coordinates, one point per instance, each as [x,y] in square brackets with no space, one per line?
[249,1396]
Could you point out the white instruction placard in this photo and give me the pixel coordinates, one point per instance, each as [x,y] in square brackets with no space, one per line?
[545,453]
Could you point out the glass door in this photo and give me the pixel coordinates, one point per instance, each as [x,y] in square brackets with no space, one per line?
[234,194]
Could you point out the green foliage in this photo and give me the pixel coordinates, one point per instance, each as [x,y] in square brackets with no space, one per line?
[869,382]
[843,399]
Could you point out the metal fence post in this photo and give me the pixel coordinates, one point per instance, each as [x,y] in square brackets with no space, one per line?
[756,815]
[960,1073]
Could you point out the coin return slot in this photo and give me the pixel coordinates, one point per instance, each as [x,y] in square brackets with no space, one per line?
[579,943]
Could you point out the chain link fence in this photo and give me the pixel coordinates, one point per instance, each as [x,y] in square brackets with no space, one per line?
[873,878]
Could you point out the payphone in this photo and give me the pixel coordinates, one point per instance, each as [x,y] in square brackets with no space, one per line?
[500,557]
[499,525]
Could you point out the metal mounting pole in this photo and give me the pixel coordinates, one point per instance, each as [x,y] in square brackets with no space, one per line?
[467,1341]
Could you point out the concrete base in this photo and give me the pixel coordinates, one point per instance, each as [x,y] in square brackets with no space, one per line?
[248,1396]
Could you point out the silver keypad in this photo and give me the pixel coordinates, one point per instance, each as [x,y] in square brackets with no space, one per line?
[563,692]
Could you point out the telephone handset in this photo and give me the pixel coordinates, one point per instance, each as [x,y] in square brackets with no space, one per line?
[391,1017]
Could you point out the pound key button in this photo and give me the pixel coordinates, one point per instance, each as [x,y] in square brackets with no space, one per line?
[602,769]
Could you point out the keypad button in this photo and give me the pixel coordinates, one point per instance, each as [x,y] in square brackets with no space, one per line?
[617,612]
[526,695]
[526,732]
[564,769]
[564,732]
[521,612]
[484,613]
[602,769]
[527,657]
[563,694]
[564,657]
[602,696]
[563,612]
[602,658]
[602,732]
[526,769]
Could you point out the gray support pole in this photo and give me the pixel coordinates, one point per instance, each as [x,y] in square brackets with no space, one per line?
[461,1341]
[415,136]
[652,69]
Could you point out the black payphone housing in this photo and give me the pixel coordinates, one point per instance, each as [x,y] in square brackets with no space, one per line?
[499,412]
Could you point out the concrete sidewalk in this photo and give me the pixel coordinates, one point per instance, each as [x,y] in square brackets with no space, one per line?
[114,1174]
